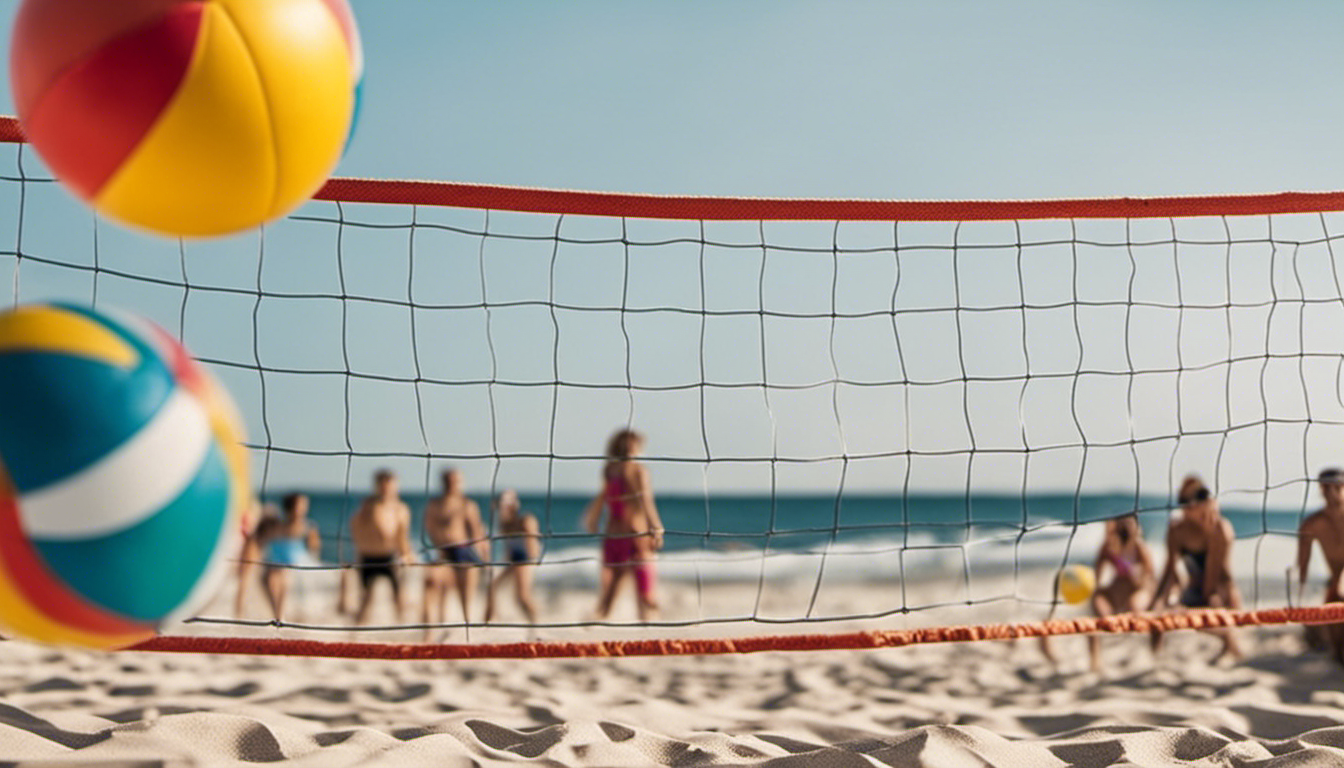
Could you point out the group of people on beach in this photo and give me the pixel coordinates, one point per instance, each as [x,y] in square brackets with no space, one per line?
[1197,572]
[460,547]
[1201,540]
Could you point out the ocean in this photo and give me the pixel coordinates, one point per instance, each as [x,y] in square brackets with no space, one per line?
[745,538]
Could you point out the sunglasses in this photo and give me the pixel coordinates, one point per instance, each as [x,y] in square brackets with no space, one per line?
[1201,495]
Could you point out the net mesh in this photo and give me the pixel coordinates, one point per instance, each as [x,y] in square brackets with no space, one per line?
[870,419]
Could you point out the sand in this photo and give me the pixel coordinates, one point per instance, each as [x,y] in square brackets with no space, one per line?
[977,704]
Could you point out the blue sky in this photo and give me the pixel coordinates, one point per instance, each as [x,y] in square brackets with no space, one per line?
[878,99]
[890,100]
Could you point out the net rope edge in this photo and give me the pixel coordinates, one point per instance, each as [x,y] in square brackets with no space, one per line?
[705,208]
[864,640]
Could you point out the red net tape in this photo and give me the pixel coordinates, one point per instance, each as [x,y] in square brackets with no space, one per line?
[1206,619]
[693,208]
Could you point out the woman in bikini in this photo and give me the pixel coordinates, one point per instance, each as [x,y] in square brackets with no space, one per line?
[290,542]
[1201,541]
[1124,552]
[521,536]
[255,520]
[634,532]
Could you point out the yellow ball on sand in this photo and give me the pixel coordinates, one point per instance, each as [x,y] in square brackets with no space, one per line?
[1076,584]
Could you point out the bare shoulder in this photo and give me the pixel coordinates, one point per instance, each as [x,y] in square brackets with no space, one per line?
[1312,522]
[1229,533]
[530,524]
[635,471]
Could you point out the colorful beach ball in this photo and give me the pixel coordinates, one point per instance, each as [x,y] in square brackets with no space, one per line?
[122,477]
[188,117]
[1076,584]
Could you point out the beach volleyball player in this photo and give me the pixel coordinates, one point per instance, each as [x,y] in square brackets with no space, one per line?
[1124,552]
[521,535]
[381,533]
[453,525]
[286,543]
[1326,526]
[634,532]
[1200,541]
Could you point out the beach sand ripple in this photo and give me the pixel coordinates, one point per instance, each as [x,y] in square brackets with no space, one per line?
[981,704]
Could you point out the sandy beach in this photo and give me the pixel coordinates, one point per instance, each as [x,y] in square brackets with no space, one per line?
[980,704]
[998,704]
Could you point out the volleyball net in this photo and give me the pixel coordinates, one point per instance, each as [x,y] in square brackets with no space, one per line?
[867,421]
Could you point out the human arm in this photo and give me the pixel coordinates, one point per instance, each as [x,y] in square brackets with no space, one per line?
[478,537]
[1219,569]
[641,488]
[356,522]
[593,514]
[404,535]
[1146,560]
[1306,536]
[1102,559]
[533,537]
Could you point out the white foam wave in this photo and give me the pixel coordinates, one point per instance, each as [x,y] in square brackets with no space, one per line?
[987,552]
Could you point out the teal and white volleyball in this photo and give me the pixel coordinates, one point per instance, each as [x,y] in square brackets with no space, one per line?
[122,477]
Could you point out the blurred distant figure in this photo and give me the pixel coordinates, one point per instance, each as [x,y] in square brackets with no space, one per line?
[453,525]
[521,536]
[1126,555]
[634,532]
[1200,540]
[254,518]
[381,534]
[285,543]
[1326,527]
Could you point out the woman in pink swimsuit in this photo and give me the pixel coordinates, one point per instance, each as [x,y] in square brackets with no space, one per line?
[634,533]
[1124,551]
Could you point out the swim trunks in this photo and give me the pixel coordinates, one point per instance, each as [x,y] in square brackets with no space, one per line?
[373,566]
[461,554]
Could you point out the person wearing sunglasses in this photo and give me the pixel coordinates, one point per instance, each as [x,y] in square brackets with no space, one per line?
[1200,540]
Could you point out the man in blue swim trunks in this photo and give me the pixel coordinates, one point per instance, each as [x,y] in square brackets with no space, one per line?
[453,525]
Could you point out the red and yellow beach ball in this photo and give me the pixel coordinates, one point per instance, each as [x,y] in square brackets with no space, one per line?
[188,117]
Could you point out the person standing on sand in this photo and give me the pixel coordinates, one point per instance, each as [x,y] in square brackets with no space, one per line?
[256,519]
[521,535]
[453,525]
[290,542]
[1201,541]
[381,534]
[634,532]
[1327,527]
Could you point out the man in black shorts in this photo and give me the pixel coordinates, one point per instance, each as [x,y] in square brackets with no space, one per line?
[381,533]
